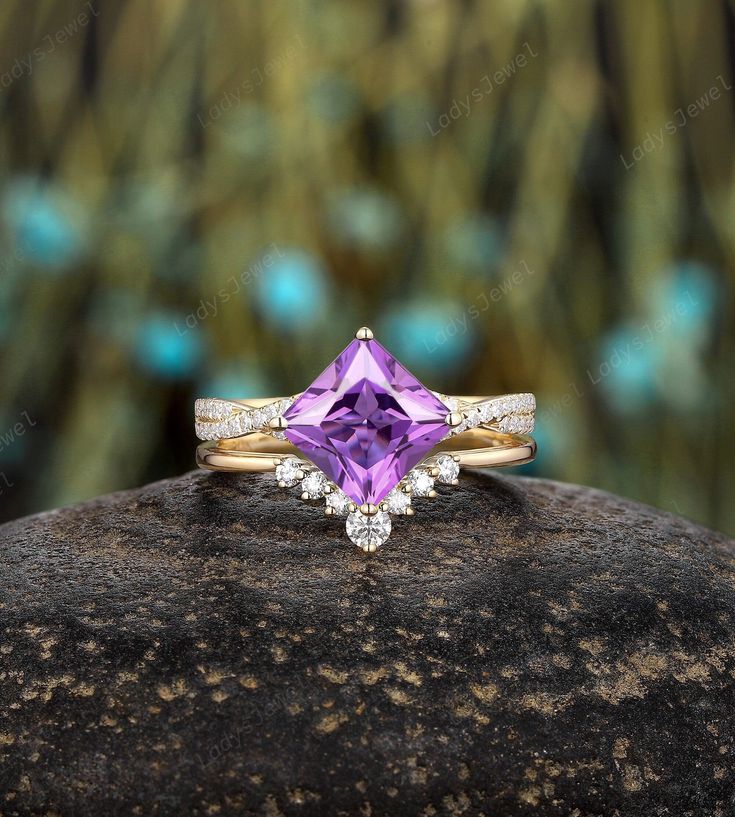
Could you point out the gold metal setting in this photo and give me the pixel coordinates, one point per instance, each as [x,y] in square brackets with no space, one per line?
[248,436]
[474,448]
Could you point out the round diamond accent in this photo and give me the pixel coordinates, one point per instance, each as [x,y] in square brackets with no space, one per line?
[421,482]
[448,469]
[397,501]
[287,472]
[368,532]
[339,500]
[314,484]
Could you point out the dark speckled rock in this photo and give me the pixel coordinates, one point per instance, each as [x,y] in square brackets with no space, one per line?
[208,646]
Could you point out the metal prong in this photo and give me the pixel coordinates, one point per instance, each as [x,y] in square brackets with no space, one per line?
[454,418]
[281,484]
[363,333]
[329,511]
[278,424]
[434,471]
[368,509]
[277,461]
[300,474]
[407,489]
[383,506]
[352,507]
[454,482]
[457,458]
[432,493]
[305,495]
[409,511]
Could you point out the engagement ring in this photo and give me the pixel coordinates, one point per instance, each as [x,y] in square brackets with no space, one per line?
[366,437]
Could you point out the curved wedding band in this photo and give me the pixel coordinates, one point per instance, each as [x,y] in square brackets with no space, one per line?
[476,448]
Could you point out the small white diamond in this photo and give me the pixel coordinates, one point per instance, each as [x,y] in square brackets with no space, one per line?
[473,418]
[270,411]
[244,422]
[421,483]
[257,418]
[230,428]
[338,500]
[287,472]
[397,501]
[368,532]
[486,412]
[314,484]
[448,469]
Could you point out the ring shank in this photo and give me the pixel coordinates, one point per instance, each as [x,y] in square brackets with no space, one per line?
[476,448]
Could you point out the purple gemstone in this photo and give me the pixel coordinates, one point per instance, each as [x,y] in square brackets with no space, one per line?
[366,421]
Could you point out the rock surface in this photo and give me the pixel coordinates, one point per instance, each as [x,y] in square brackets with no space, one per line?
[210,645]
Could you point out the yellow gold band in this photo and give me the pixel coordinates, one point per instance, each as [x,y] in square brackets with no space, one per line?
[475,448]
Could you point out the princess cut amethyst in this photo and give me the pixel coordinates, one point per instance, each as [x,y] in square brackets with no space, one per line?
[366,421]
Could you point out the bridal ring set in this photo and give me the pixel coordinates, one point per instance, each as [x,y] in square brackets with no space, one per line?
[366,438]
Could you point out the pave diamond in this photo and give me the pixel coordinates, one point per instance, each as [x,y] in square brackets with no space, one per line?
[474,418]
[368,532]
[366,421]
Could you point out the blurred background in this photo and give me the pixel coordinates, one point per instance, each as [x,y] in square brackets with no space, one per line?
[208,199]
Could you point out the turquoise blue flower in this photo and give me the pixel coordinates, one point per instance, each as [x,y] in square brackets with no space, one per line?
[292,293]
[630,359]
[165,347]
[428,336]
[685,295]
[46,223]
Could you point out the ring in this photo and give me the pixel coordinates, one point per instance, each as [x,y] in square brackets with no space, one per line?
[366,436]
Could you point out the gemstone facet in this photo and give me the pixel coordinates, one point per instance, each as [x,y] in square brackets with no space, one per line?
[366,421]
